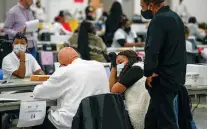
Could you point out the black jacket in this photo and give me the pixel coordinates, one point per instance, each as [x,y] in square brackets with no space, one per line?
[165,50]
[105,111]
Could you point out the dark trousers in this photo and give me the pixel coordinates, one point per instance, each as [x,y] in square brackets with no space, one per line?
[162,112]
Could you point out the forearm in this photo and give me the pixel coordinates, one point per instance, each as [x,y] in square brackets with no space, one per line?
[20,72]
[151,62]
[133,45]
[113,77]
[9,31]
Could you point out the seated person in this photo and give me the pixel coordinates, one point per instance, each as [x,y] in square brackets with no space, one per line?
[58,28]
[125,36]
[18,63]
[127,78]
[90,13]
[75,80]
[89,46]
[191,46]
[194,29]
[62,16]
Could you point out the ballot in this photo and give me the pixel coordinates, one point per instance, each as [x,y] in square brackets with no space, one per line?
[32,26]
[31,113]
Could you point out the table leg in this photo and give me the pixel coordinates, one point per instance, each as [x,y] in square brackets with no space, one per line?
[195,96]
[1,122]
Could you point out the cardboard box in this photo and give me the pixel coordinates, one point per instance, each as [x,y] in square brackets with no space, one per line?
[201,70]
[39,77]
[192,79]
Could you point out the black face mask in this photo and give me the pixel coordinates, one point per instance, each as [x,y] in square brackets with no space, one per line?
[147,14]
[90,18]
[127,29]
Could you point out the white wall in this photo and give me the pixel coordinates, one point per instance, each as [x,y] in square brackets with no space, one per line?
[197,8]
[54,6]
[137,7]
[1,11]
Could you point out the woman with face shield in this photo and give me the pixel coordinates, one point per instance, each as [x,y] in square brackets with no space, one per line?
[127,78]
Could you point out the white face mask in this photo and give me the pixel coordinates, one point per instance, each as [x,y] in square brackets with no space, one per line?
[119,68]
[19,47]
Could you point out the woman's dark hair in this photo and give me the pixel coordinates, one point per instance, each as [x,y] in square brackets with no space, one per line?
[83,48]
[154,1]
[61,13]
[192,20]
[114,17]
[20,35]
[132,57]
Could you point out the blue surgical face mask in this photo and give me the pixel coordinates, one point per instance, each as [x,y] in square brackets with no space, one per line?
[120,68]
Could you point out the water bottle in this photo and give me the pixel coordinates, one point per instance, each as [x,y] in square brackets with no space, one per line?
[1,74]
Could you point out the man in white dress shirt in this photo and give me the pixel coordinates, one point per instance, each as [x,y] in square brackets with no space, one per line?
[72,82]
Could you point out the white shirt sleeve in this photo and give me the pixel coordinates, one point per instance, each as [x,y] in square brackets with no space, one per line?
[189,47]
[119,35]
[8,67]
[54,87]
[134,34]
[35,66]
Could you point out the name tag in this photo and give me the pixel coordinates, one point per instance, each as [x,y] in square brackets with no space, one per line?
[32,113]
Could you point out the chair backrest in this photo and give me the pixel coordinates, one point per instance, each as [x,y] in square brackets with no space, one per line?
[106,111]
[5,49]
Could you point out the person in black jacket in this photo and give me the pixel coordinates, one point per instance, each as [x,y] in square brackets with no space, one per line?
[165,63]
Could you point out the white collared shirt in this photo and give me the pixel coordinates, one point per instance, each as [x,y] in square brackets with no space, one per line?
[11,63]
[69,85]
[121,34]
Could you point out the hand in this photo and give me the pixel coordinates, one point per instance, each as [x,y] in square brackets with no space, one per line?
[22,56]
[112,57]
[149,79]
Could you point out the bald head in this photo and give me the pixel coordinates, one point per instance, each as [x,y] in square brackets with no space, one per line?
[67,55]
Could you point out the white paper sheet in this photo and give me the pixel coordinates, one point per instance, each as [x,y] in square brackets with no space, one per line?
[32,113]
[32,26]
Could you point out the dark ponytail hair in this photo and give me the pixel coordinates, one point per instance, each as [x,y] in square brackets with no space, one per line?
[132,57]
[83,42]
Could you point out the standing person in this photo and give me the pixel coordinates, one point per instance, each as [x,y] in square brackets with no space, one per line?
[39,11]
[16,18]
[113,23]
[182,11]
[165,63]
